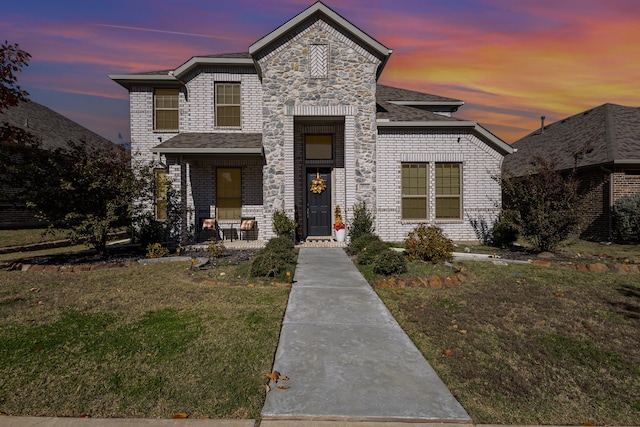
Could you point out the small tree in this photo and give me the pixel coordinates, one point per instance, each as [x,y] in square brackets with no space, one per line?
[362,222]
[282,224]
[546,204]
[84,191]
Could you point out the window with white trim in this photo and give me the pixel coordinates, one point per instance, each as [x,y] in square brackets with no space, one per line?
[166,111]
[415,191]
[228,104]
[448,191]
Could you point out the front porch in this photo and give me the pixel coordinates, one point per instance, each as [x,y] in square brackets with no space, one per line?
[259,244]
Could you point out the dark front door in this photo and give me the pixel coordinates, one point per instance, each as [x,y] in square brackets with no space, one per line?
[319,205]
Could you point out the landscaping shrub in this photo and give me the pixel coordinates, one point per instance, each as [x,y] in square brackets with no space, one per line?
[356,245]
[267,264]
[282,246]
[362,222]
[370,251]
[216,248]
[156,250]
[274,259]
[429,244]
[282,224]
[505,232]
[626,218]
[389,262]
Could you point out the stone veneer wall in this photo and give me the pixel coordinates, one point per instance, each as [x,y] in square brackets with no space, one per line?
[481,194]
[289,90]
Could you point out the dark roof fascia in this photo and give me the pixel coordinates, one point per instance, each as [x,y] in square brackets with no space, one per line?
[130,80]
[173,77]
[321,9]
[493,141]
[198,61]
[217,151]
[428,103]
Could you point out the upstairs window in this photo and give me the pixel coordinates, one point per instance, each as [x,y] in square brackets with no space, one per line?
[166,109]
[448,191]
[414,191]
[228,104]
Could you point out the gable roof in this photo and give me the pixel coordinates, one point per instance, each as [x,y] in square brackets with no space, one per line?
[52,129]
[605,135]
[321,11]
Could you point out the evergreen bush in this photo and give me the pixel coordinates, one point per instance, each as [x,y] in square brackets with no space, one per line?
[356,245]
[389,262]
[429,244]
[282,224]
[370,251]
[362,222]
[626,218]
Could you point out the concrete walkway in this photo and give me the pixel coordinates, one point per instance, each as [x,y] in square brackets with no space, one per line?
[346,357]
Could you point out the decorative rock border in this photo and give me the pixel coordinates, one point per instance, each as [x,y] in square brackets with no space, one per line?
[433,282]
[70,268]
[198,262]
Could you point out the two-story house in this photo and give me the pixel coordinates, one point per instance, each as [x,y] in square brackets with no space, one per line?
[245,134]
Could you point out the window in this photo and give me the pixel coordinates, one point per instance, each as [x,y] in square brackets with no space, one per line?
[228,104]
[448,194]
[414,191]
[318,147]
[229,194]
[166,109]
[160,176]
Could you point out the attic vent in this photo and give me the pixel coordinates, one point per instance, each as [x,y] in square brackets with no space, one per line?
[318,61]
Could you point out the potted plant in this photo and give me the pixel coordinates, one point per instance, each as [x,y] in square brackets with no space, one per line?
[339,225]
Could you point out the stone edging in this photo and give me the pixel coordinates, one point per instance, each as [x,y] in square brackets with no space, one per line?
[198,262]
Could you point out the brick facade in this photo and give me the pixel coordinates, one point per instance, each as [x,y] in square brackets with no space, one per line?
[481,196]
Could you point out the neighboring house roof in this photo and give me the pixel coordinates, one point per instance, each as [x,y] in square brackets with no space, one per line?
[327,14]
[605,135]
[53,130]
[212,143]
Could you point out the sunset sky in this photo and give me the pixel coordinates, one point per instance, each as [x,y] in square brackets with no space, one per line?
[511,61]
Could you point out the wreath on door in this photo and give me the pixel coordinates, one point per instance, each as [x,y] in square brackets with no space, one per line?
[317,184]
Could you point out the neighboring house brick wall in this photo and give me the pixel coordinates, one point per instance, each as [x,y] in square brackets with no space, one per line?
[481,196]
[594,189]
[626,182]
[288,89]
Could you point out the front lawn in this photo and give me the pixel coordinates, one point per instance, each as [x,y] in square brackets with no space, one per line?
[522,344]
[143,341]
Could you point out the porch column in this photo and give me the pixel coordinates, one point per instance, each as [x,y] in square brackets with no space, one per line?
[289,170]
[350,165]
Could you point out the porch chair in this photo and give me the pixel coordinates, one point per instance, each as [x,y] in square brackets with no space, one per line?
[211,224]
[247,224]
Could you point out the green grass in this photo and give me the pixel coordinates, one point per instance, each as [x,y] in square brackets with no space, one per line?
[27,236]
[135,342]
[531,345]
